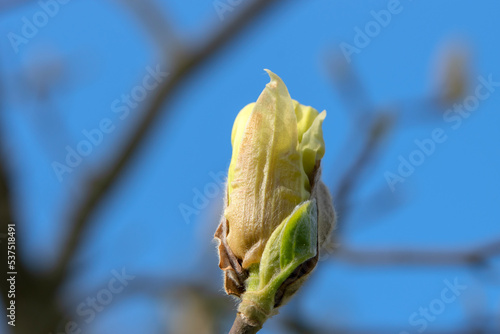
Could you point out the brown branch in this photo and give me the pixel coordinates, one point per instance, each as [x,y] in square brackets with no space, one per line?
[371,256]
[6,210]
[240,326]
[377,128]
[103,183]
[156,25]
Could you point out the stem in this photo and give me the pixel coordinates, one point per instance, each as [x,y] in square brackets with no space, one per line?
[240,326]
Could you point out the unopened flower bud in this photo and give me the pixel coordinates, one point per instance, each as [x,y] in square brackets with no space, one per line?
[278,212]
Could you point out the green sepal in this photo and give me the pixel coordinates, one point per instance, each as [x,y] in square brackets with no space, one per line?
[292,243]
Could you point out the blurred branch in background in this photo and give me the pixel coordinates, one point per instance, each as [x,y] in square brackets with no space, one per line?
[179,71]
[364,147]
[371,125]
[479,255]
[152,19]
[6,205]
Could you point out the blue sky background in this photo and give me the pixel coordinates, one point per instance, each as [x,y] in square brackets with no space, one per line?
[450,201]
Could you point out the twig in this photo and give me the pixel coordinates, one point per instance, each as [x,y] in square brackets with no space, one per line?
[475,255]
[240,326]
[157,27]
[6,212]
[377,128]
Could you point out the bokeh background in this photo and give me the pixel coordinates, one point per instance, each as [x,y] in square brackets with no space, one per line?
[144,199]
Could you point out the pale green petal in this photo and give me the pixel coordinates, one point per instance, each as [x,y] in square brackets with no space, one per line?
[305,117]
[292,243]
[312,146]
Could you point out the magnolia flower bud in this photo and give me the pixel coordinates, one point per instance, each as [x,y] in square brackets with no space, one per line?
[278,212]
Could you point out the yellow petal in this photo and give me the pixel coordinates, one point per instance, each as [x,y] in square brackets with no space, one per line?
[267,179]
[305,117]
[236,138]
